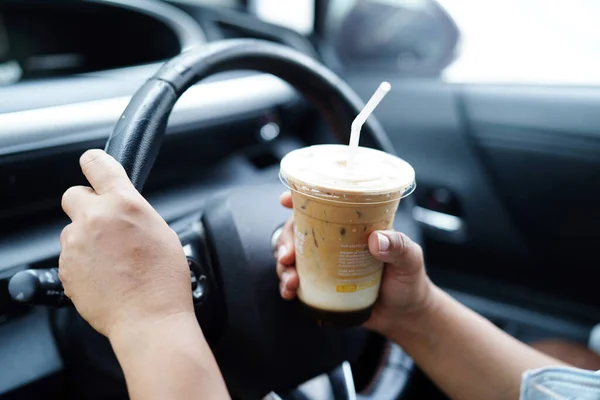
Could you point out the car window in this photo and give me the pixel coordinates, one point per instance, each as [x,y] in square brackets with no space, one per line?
[497,41]
[410,37]
[298,15]
[526,41]
[218,3]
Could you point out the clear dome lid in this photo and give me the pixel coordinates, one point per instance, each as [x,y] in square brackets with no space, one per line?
[321,171]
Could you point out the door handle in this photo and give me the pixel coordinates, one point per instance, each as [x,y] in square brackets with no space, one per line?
[443,226]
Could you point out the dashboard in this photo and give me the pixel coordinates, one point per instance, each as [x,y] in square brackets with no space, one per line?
[40,41]
[237,120]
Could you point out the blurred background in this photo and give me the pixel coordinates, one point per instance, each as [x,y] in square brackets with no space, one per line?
[512,41]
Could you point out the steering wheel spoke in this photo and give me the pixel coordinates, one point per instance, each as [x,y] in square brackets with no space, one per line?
[337,384]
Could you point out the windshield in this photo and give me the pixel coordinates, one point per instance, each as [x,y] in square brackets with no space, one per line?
[218,3]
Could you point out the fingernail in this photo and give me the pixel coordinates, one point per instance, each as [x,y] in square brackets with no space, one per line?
[281,252]
[285,276]
[282,290]
[384,242]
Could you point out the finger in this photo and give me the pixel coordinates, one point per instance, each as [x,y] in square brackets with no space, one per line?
[288,286]
[102,171]
[281,268]
[397,249]
[286,250]
[74,200]
[286,199]
[65,236]
[63,273]
[65,239]
[288,275]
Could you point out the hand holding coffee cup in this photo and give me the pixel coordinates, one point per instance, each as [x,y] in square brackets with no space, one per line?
[405,288]
[340,195]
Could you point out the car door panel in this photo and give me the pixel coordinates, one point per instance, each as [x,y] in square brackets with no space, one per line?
[541,146]
[524,165]
[424,122]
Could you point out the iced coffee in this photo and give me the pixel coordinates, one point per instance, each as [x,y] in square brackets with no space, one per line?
[336,207]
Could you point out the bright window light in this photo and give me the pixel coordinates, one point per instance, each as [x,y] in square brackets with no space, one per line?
[298,15]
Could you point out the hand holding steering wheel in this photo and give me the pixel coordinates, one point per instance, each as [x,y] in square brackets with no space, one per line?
[258,329]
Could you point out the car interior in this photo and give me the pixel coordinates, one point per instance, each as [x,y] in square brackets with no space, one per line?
[200,100]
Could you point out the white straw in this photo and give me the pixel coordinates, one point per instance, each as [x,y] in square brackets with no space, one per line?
[361,118]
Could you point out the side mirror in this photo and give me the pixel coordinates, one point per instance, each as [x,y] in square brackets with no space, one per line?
[415,38]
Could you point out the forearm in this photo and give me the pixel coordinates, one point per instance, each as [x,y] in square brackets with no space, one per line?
[467,356]
[169,359]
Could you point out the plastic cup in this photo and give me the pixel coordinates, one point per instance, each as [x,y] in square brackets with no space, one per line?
[335,211]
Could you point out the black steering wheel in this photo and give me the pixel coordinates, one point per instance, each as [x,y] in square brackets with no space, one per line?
[261,342]
[136,139]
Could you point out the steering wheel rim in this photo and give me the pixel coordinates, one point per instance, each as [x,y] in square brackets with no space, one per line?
[138,135]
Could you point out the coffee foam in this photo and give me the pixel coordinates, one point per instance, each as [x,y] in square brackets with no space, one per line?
[323,168]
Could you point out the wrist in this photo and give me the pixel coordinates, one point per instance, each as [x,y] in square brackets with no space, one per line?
[172,348]
[420,322]
[133,336]
[414,319]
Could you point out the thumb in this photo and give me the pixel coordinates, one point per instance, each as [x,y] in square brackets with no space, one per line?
[102,171]
[398,250]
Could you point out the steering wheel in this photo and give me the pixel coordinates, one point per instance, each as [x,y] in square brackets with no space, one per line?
[261,342]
